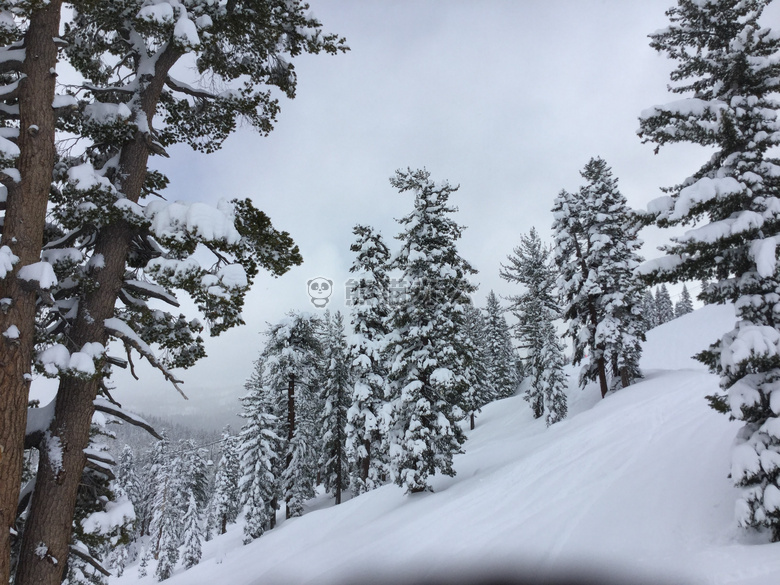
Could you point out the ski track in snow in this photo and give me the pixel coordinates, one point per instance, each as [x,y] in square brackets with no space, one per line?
[635,484]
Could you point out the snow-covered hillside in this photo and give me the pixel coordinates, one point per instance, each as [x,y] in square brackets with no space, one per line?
[635,484]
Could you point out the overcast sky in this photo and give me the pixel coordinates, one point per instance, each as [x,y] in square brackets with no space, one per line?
[508,99]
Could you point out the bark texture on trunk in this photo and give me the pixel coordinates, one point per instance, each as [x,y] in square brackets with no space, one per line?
[23,234]
[47,534]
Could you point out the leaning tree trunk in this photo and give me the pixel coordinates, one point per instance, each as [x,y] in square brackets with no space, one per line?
[23,234]
[48,529]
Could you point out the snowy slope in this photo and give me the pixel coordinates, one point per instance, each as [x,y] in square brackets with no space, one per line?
[634,484]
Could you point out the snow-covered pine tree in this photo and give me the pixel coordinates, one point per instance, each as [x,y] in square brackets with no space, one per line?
[685,304]
[728,71]
[553,379]
[192,534]
[291,357]
[127,478]
[335,394]
[224,506]
[479,390]
[110,246]
[663,305]
[649,310]
[501,356]
[366,440]
[163,526]
[195,473]
[428,350]
[144,563]
[596,254]
[168,554]
[260,447]
[536,308]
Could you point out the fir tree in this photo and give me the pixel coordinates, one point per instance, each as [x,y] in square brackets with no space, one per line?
[428,350]
[192,535]
[596,254]
[127,478]
[500,356]
[685,304]
[291,357]
[260,446]
[553,379]
[663,305]
[163,527]
[142,566]
[225,498]
[479,391]
[335,394]
[536,309]
[366,431]
[649,310]
[728,70]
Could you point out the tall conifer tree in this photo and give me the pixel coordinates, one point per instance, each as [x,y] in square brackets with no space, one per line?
[596,254]
[430,354]
[500,354]
[366,441]
[536,308]
[728,72]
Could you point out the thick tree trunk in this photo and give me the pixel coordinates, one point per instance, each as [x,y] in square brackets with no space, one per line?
[471,420]
[47,533]
[23,234]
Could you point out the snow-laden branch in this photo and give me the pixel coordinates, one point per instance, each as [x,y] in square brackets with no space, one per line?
[89,559]
[105,406]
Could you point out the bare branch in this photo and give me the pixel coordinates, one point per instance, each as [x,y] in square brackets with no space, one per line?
[188,89]
[88,558]
[128,341]
[130,362]
[133,420]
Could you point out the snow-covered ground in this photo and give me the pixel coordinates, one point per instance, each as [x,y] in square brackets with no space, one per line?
[634,485]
